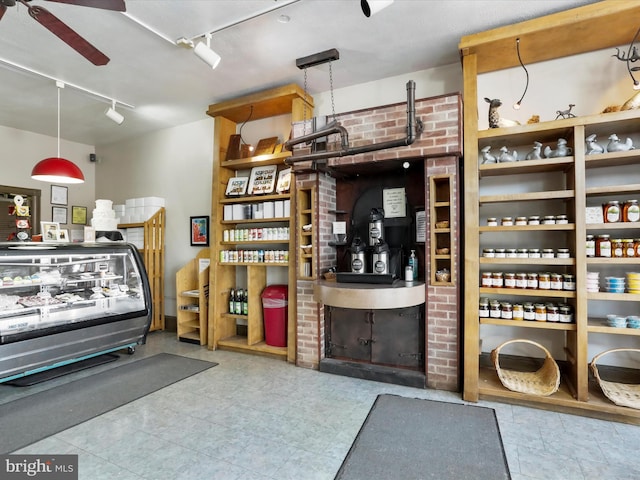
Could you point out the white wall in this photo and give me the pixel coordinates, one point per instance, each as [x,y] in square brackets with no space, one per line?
[21,150]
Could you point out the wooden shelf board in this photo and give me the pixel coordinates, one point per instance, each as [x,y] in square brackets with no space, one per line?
[527,197]
[525,292]
[527,261]
[441,204]
[240,344]
[598,325]
[190,336]
[529,324]
[613,189]
[613,159]
[614,261]
[190,293]
[529,228]
[194,324]
[624,297]
[131,225]
[254,264]
[525,166]
[233,316]
[256,198]
[255,221]
[256,242]
[614,226]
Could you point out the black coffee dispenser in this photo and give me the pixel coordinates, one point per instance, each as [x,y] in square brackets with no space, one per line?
[380,258]
[376,225]
[358,256]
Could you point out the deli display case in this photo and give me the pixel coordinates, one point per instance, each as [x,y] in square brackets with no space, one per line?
[64,303]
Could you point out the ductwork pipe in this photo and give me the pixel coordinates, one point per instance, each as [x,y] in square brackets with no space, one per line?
[414,129]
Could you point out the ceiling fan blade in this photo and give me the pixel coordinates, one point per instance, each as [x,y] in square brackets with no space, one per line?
[2,10]
[67,35]
[117,5]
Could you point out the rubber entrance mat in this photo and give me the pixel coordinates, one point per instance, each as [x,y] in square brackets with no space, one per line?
[410,438]
[29,419]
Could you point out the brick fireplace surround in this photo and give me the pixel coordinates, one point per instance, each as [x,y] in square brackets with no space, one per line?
[440,146]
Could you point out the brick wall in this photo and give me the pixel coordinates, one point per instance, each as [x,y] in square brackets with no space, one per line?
[440,145]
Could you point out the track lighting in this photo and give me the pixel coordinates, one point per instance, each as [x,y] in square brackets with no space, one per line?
[371,7]
[113,115]
[204,52]
[516,106]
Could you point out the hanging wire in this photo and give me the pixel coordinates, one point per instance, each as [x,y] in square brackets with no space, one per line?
[304,113]
[519,102]
[244,123]
[333,103]
[58,121]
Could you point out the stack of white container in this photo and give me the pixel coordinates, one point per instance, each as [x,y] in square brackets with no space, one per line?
[137,210]
[104,218]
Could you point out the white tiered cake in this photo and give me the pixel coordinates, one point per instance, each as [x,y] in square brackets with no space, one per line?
[104,217]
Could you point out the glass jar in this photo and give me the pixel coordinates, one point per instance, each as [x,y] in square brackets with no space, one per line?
[507,221]
[563,253]
[521,221]
[631,211]
[628,248]
[506,311]
[534,220]
[617,248]
[547,253]
[497,280]
[636,246]
[521,280]
[591,246]
[568,282]
[511,253]
[529,311]
[603,246]
[534,253]
[509,280]
[556,281]
[532,281]
[494,309]
[562,219]
[492,222]
[541,312]
[489,253]
[483,308]
[501,253]
[552,313]
[518,311]
[486,279]
[565,313]
[544,281]
[549,220]
[523,253]
[612,213]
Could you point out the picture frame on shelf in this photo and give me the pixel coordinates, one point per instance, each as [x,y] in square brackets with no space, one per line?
[237,186]
[78,215]
[233,150]
[59,215]
[200,231]
[59,195]
[63,235]
[49,231]
[262,180]
[284,181]
[265,146]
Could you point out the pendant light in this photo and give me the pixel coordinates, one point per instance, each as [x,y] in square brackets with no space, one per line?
[57,169]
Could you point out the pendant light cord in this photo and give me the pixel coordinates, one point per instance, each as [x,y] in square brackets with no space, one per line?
[59,121]
[526,86]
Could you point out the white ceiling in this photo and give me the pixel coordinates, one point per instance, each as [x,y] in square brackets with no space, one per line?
[168,85]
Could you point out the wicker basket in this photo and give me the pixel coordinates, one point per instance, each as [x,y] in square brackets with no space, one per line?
[545,381]
[623,394]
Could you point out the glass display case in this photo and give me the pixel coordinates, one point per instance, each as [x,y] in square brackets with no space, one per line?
[62,303]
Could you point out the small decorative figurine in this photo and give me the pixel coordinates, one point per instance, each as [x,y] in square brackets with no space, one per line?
[615,145]
[505,156]
[561,150]
[565,113]
[495,121]
[486,156]
[592,146]
[535,153]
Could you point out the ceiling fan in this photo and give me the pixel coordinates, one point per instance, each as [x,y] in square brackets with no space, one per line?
[63,31]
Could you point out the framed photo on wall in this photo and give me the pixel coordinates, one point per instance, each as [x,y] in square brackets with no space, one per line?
[78,215]
[200,231]
[59,194]
[59,214]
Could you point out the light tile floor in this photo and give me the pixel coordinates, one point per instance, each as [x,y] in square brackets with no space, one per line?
[254,418]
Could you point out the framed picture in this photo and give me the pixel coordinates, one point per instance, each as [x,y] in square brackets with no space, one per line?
[200,231]
[49,231]
[59,194]
[237,186]
[79,215]
[59,214]
[284,181]
[63,235]
[262,180]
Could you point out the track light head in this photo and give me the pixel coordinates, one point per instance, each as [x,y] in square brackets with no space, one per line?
[204,53]
[371,7]
[113,115]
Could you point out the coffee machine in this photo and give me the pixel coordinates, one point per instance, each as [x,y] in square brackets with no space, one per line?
[358,256]
[376,225]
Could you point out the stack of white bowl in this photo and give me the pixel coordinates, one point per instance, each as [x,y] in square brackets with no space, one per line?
[593,282]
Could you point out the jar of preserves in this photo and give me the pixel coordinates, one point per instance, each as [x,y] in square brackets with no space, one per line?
[631,211]
[591,246]
[497,280]
[494,309]
[549,220]
[552,313]
[521,221]
[529,311]
[492,222]
[603,246]
[486,279]
[511,253]
[523,253]
[568,282]
[628,247]
[540,312]
[509,280]
[534,220]
[489,253]
[534,253]
[556,281]
[562,219]
[636,247]
[501,253]
[532,280]
[565,314]
[617,248]
[518,311]
[483,308]
[521,280]
[547,253]
[612,212]
[507,221]
[506,311]
[544,281]
[563,253]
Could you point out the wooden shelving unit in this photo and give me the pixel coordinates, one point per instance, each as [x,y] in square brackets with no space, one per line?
[482,53]
[307,258]
[223,333]
[153,255]
[192,299]
[440,204]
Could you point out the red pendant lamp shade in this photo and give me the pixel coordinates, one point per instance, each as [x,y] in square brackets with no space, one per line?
[58,170]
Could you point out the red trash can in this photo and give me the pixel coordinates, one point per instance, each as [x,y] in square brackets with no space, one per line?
[274,308]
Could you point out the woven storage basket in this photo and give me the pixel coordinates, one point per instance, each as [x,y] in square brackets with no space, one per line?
[545,381]
[623,394]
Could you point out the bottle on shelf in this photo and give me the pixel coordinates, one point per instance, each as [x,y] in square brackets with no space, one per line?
[232,301]
[413,263]
[238,302]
